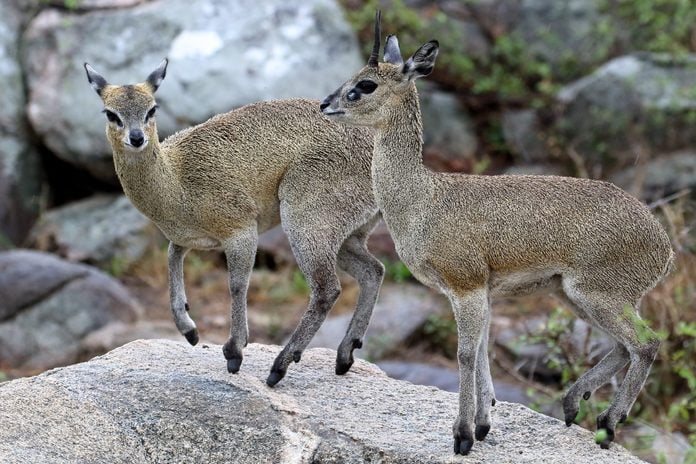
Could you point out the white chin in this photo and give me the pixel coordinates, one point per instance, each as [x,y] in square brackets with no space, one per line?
[130,148]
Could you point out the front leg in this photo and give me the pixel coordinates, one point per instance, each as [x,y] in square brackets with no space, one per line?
[470,311]
[485,394]
[240,252]
[177,293]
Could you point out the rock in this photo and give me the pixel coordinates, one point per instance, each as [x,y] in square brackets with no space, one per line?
[449,139]
[104,230]
[655,445]
[48,306]
[20,165]
[222,55]
[660,177]
[563,34]
[453,20]
[119,333]
[399,312]
[537,358]
[273,249]
[631,107]
[381,244]
[536,170]
[163,401]
[523,136]
[82,5]
[448,379]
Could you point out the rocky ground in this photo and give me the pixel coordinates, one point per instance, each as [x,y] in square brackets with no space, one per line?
[160,401]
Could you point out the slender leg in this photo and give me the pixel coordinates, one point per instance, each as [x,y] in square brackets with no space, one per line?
[177,293]
[325,288]
[357,261]
[485,394]
[470,311]
[240,251]
[598,375]
[619,319]
[591,380]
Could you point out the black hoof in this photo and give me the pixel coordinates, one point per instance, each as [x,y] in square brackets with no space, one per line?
[274,377]
[342,367]
[233,365]
[192,336]
[586,396]
[493,402]
[233,355]
[463,445]
[481,431]
[570,417]
[296,356]
[603,424]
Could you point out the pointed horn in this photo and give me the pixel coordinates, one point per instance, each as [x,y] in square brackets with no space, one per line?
[374,57]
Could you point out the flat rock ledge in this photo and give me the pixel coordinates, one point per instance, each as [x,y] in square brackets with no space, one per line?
[160,401]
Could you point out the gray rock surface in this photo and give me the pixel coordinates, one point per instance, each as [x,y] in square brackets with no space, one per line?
[633,106]
[48,305]
[661,176]
[534,357]
[104,230]
[119,333]
[447,379]
[222,55]
[523,135]
[448,134]
[564,34]
[20,167]
[163,401]
[400,310]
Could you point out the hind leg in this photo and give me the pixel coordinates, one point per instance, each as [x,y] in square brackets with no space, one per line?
[617,316]
[177,293]
[315,245]
[600,374]
[356,260]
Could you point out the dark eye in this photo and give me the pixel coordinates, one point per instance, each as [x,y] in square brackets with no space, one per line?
[150,114]
[366,86]
[111,116]
[352,96]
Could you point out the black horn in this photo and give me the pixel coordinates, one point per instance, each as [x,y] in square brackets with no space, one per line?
[374,57]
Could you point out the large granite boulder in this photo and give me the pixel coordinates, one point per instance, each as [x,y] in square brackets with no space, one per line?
[104,230]
[222,55]
[166,402]
[47,306]
[399,312]
[20,166]
[570,36]
[629,109]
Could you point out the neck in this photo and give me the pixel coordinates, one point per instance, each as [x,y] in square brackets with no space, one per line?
[399,177]
[146,177]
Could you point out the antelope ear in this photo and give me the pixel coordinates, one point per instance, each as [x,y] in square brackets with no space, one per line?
[157,76]
[422,62]
[392,54]
[95,79]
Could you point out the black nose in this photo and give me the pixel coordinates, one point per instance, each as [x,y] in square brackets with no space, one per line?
[137,138]
[325,103]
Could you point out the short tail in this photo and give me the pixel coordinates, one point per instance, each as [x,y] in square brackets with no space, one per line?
[671,264]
